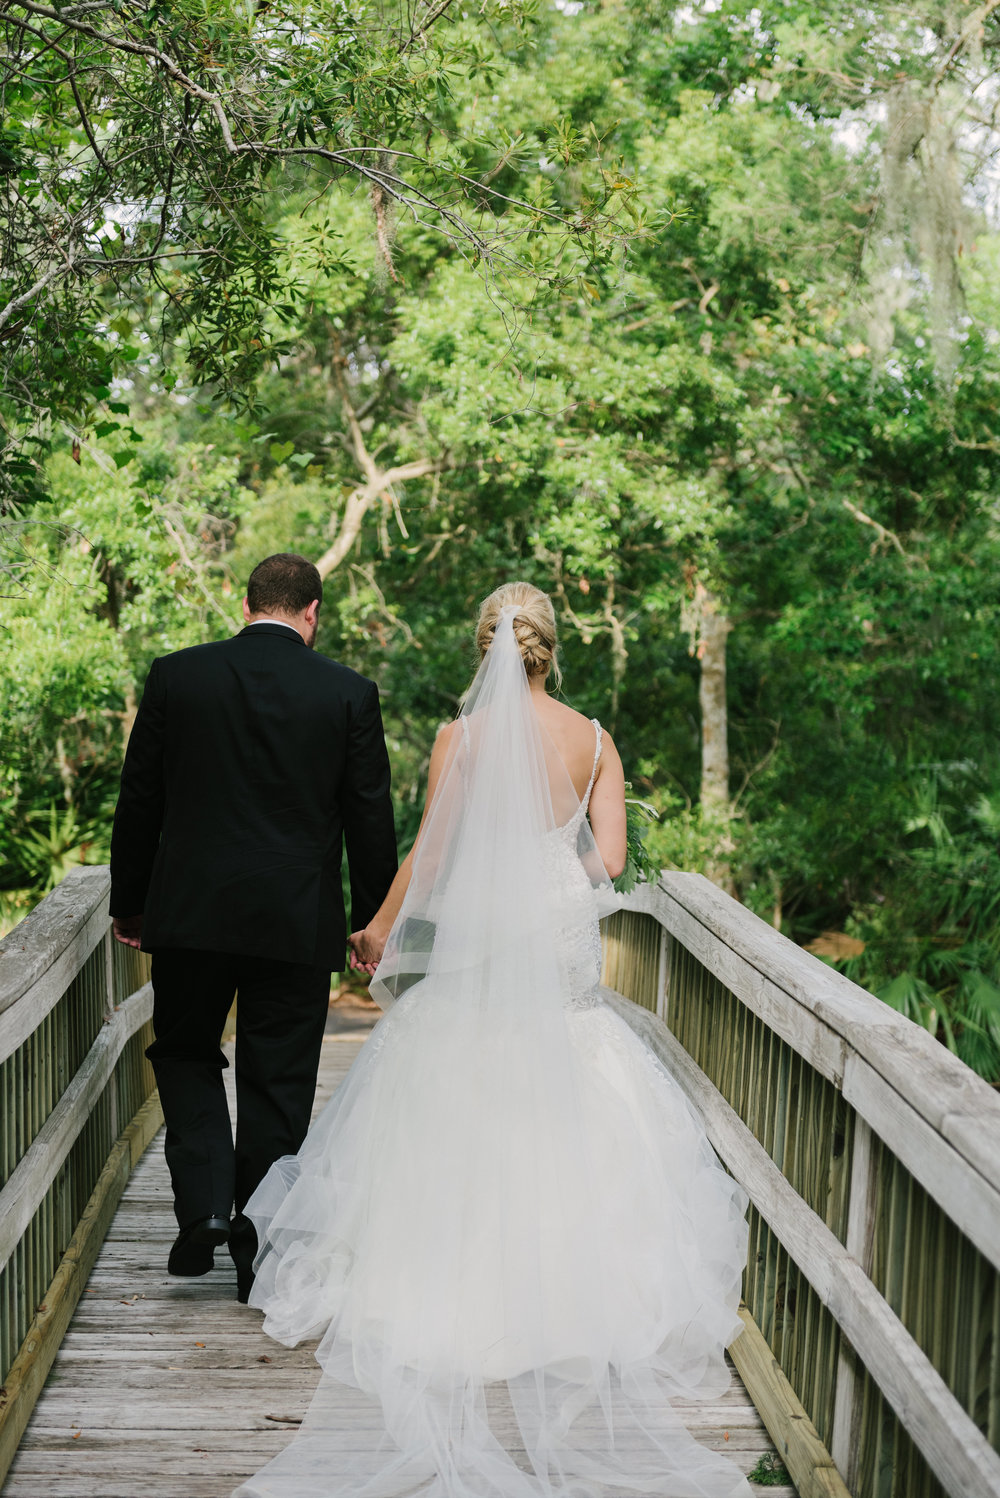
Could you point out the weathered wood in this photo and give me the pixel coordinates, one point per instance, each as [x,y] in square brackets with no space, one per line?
[663,975]
[950,1097]
[971,1202]
[953,1446]
[809,1464]
[822,1047]
[26,1377]
[26,1010]
[859,1242]
[27,952]
[42,1161]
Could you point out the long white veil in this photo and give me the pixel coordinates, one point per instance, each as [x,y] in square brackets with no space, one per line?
[483,901]
[478,1224]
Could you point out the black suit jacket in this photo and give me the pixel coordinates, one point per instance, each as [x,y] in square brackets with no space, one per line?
[250,762]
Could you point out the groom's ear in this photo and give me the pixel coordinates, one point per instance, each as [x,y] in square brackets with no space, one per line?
[246,611]
[312,612]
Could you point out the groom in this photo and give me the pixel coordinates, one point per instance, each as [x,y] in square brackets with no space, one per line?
[251,762]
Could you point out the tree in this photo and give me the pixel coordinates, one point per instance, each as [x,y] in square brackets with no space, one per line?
[143,143]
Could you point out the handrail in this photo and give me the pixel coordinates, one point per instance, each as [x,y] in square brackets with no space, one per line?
[77,1107]
[872,1159]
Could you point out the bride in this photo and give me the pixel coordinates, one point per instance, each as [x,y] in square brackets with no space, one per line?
[507,1228]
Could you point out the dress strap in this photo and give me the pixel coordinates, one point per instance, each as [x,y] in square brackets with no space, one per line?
[597,756]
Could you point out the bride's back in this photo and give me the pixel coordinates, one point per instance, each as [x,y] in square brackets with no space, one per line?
[573,735]
[575,741]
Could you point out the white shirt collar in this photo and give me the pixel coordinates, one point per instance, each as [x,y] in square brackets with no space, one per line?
[283,622]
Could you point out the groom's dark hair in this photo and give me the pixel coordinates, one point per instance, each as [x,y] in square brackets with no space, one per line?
[285,584]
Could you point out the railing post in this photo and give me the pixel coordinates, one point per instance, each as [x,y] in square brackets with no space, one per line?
[109,1010]
[860,1245]
[663,976]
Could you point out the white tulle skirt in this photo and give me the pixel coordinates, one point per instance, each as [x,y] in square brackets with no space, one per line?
[517,1271]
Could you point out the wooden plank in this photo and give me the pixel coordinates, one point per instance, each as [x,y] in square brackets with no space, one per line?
[49,1448]
[129,1484]
[42,1161]
[29,1370]
[818,987]
[860,1240]
[25,1013]
[974,1206]
[822,1047]
[27,952]
[809,1464]
[954,1447]
[196,1485]
[961,1106]
[663,975]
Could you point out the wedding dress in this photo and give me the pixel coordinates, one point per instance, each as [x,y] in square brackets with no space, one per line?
[507,1229]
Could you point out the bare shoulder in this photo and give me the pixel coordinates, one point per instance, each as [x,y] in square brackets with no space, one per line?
[610,760]
[562,719]
[445,740]
[444,745]
[565,722]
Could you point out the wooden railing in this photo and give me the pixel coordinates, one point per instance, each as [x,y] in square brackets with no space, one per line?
[872,1160]
[76,1110]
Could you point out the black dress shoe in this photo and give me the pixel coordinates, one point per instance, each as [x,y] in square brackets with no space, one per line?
[193,1252]
[244,1283]
[243,1248]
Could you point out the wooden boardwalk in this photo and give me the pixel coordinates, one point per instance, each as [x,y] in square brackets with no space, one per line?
[167,1388]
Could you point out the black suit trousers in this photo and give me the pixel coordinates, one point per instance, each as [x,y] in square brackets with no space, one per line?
[280,1018]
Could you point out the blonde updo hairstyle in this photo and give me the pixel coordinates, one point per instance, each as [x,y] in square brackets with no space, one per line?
[534,627]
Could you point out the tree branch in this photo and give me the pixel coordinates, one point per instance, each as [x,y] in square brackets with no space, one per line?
[882,533]
[18,301]
[972,25]
[378,481]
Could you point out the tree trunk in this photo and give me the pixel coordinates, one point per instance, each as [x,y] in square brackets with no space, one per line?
[713,630]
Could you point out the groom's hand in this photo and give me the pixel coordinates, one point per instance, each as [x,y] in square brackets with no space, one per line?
[128,929]
[355,965]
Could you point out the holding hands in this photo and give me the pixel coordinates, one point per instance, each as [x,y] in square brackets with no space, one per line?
[368,944]
[366,950]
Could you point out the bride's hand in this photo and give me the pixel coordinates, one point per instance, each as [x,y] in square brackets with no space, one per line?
[366,950]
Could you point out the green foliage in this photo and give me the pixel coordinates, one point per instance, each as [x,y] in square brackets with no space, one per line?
[933,950]
[774,395]
[146,145]
[55,842]
[640,866]
[769,1472]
